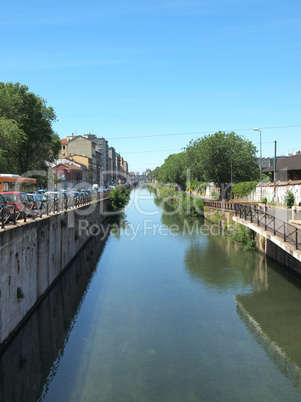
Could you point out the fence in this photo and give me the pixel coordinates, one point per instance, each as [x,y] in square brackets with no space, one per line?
[254,214]
[45,208]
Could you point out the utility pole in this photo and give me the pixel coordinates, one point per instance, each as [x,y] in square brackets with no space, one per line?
[257,129]
[275,169]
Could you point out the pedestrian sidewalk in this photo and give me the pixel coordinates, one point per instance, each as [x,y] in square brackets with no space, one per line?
[285,214]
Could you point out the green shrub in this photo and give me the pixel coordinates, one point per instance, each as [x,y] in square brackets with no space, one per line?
[244,237]
[192,206]
[243,188]
[189,206]
[289,199]
[119,197]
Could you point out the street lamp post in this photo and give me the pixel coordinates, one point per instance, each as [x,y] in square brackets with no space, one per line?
[257,129]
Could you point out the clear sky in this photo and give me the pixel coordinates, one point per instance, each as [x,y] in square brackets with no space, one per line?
[149,76]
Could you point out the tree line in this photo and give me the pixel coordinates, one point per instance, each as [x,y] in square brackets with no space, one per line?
[219,158]
[27,140]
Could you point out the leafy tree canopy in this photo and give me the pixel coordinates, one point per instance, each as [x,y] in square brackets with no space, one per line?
[27,138]
[173,170]
[222,158]
[11,139]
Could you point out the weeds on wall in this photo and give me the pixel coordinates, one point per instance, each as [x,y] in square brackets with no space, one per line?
[20,294]
[244,237]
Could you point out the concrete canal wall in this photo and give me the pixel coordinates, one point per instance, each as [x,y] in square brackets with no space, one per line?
[24,367]
[272,246]
[34,254]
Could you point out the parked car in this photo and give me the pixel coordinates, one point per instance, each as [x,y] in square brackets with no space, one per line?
[75,196]
[20,201]
[5,209]
[41,191]
[39,200]
[53,195]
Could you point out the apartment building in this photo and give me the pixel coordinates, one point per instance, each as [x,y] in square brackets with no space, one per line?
[103,164]
[112,165]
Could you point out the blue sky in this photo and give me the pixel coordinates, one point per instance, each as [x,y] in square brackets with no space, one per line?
[149,76]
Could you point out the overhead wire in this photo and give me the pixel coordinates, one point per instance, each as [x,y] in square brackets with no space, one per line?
[200,132]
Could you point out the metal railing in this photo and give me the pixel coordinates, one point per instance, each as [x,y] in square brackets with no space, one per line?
[44,208]
[259,216]
[4,216]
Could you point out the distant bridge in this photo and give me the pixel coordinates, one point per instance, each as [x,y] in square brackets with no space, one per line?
[140,177]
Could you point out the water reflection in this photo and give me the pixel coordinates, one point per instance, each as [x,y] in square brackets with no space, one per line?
[29,362]
[159,322]
[221,267]
[273,317]
[268,299]
[214,259]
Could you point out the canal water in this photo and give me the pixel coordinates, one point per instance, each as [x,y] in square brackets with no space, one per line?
[163,309]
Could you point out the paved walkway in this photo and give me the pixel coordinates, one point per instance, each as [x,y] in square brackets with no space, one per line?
[283,213]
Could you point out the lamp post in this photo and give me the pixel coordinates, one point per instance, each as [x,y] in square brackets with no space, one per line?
[257,129]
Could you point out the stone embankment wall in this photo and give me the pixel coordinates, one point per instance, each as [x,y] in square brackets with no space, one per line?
[34,254]
[265,242]
[24,365]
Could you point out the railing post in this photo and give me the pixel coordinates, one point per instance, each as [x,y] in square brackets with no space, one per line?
[33,212]
[14,214]
[258,216]
[2,218]
[296,238]
[265,221]
[274,226]
[25,214]
[284,233]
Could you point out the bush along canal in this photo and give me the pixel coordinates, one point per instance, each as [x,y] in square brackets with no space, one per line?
[189,206]
[163,309]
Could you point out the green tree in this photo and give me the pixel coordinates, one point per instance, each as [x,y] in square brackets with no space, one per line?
[155,173]
[11,140]
[26,125]
[118,198]
[223,158]
[174,169]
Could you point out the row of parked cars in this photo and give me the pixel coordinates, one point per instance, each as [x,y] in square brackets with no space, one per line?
[16,204]
[25,204]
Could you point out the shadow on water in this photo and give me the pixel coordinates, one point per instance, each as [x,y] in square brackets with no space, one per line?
[36,349]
